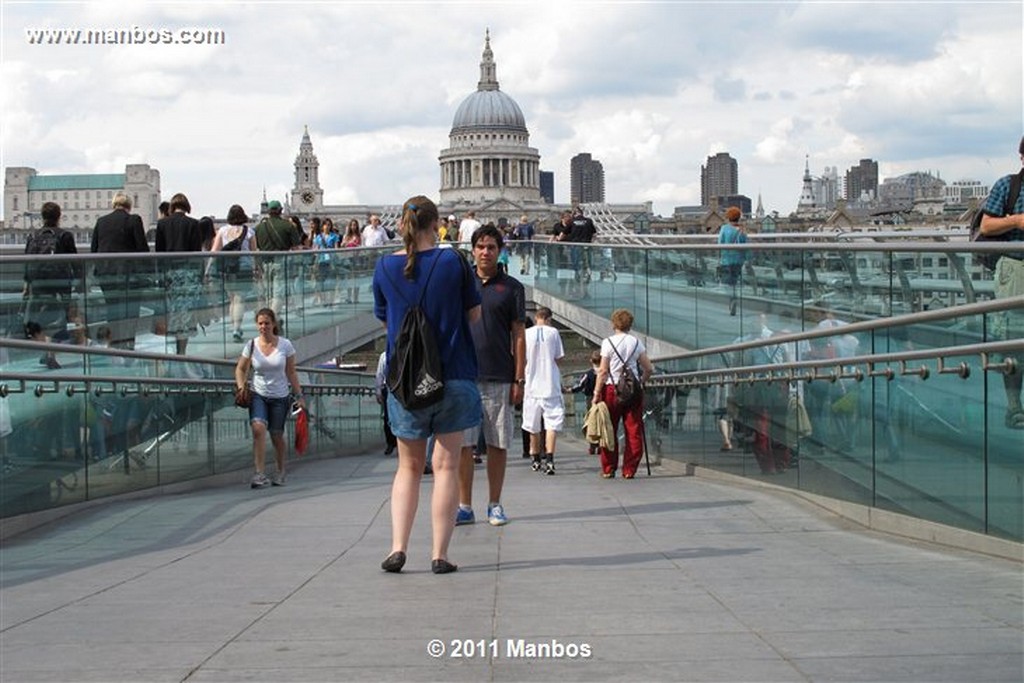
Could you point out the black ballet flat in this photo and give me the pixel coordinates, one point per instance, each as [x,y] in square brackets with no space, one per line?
[394,562]
[443,567]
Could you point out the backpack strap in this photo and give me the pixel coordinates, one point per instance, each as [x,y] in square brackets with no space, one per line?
[273,235]
[1011,198]
[423,288]
[625,363]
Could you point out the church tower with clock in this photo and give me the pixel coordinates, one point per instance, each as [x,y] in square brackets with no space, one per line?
[307,195]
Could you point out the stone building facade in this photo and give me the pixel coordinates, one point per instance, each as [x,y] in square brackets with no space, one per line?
[82,197]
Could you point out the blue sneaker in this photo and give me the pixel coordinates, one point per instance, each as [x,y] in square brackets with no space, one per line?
[464,516]
[496,515]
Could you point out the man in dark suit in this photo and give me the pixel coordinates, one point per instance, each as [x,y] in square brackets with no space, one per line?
[120,231]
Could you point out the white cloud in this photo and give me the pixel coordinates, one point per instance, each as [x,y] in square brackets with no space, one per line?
[651,89]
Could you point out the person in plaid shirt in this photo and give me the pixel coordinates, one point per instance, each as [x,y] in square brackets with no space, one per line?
[1009,279]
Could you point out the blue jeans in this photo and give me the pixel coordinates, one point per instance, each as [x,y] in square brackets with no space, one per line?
[459,409]
[270,411]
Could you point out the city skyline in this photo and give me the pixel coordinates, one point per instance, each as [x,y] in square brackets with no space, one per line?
[835,82]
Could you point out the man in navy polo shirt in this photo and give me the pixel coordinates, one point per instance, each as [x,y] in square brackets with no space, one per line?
[501,361]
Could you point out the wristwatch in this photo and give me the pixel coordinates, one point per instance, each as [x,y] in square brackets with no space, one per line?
[521,381]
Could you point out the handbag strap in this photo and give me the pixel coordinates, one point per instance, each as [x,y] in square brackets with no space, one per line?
[236,243]
[252,348]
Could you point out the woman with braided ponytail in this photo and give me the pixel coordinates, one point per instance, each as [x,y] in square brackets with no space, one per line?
[441,282]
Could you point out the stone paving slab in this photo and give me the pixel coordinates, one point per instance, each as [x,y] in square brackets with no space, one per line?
[673,578]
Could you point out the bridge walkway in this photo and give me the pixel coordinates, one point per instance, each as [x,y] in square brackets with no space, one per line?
[671,577]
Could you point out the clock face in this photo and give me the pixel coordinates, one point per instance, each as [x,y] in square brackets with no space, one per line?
[308,197]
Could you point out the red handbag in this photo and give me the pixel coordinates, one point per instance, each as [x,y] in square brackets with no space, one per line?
[301,431]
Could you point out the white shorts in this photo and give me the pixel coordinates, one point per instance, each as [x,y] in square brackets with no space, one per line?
[498,417]
[551,409]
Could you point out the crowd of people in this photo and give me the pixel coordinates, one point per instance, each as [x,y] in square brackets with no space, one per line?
[501,370]
[493,360]
[196,291]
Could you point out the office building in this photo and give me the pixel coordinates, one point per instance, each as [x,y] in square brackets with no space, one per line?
[586,180]
[719,177]
[862,182]
[82,197]
[547,186]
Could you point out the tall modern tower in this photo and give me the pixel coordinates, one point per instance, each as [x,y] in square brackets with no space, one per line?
[547,186]
[719,177]
[862,181]
[586,179]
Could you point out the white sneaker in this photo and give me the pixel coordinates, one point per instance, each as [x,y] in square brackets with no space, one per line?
[279,479]
[259,480]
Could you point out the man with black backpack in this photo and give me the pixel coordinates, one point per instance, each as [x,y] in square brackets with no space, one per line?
[49,282]
[1004,217]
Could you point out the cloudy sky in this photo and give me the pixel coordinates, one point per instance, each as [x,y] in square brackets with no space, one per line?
[650,89]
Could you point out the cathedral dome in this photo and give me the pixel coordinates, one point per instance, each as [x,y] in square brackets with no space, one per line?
[491,109]
[489,158]
[488,107]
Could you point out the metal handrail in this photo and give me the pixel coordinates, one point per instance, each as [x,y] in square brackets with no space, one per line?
[843,368]
[51,347]
[993,306]
[758,242]
[131,385]
[179,255]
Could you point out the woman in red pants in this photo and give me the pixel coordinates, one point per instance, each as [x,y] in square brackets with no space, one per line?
[618,351]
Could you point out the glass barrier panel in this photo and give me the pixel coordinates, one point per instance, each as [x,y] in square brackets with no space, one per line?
[942,447]
[998,426]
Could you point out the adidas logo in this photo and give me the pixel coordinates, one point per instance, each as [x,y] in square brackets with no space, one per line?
[427,385]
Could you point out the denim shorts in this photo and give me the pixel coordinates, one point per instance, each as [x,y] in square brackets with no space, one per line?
[270,411]
[459,409]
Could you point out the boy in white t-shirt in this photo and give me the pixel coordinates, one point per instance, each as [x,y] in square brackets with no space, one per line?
[542,396]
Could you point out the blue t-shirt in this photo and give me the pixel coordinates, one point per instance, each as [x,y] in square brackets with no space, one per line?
[450,292]
[324,242]
[730,234]
[995,205]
